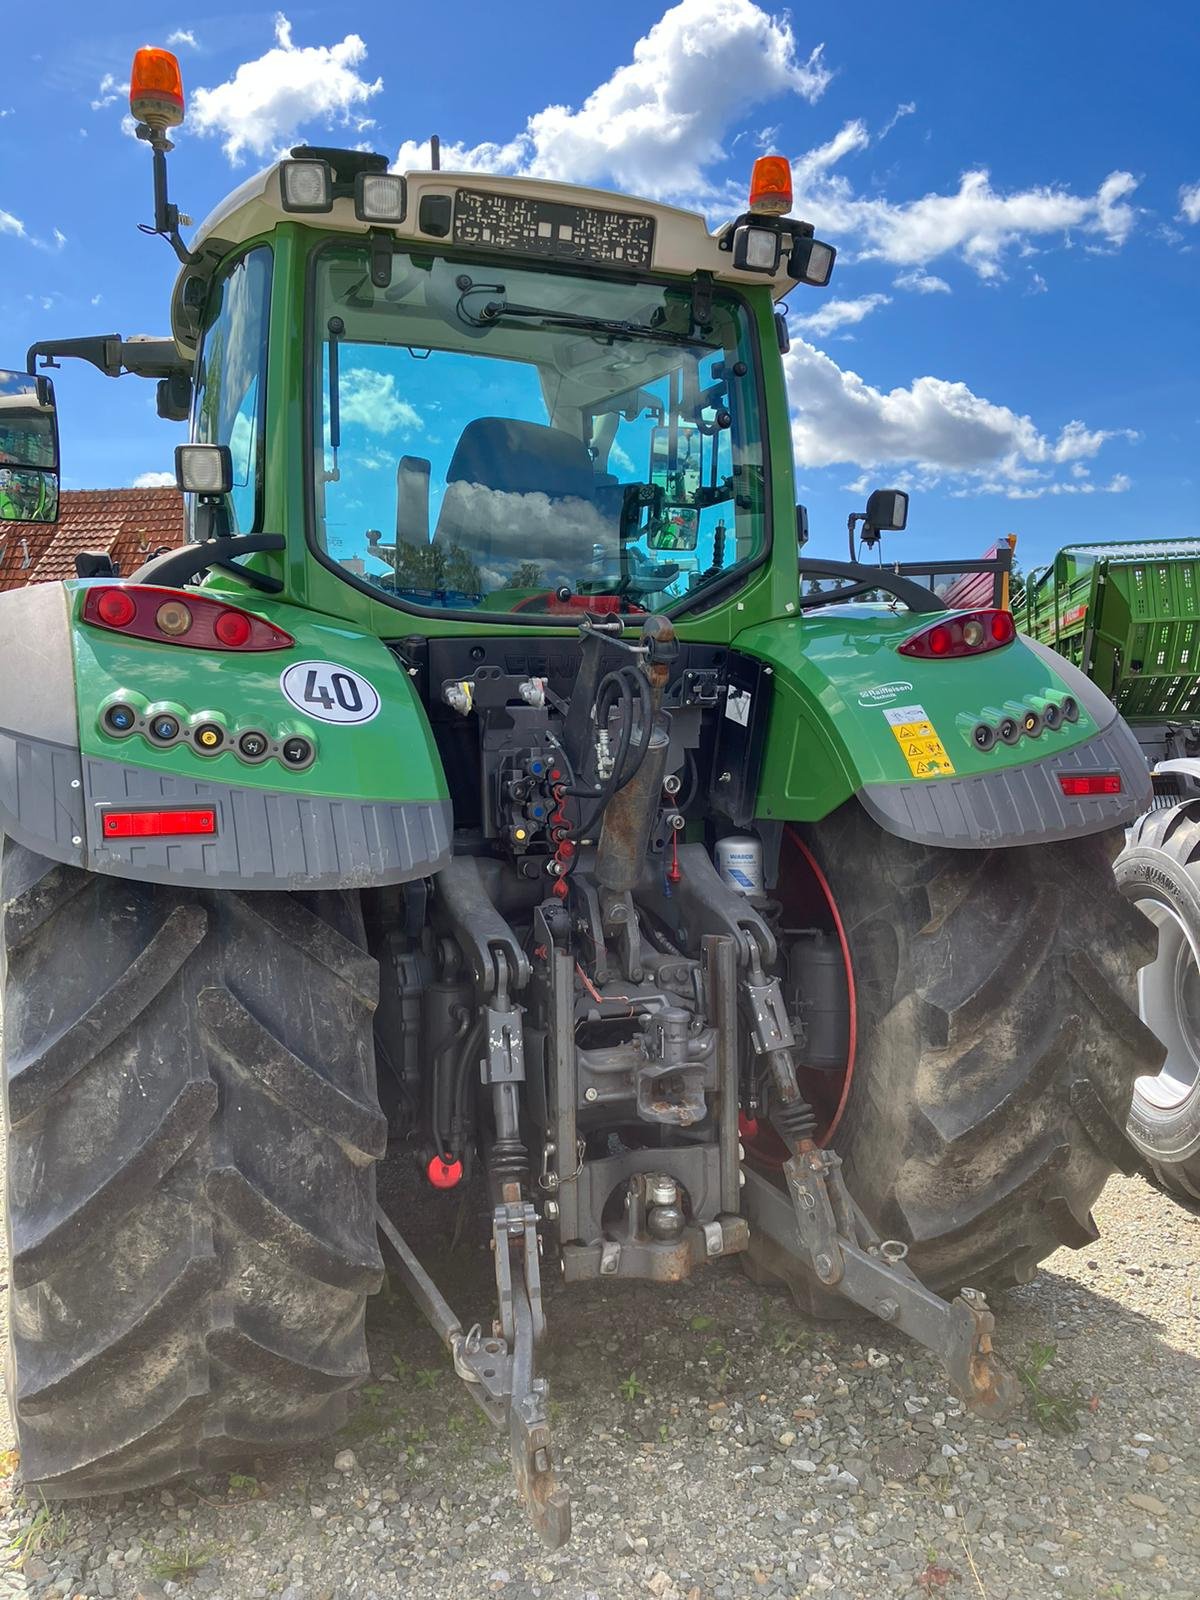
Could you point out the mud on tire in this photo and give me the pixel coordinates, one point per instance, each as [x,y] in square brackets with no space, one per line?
[998,1042]
[193,1126]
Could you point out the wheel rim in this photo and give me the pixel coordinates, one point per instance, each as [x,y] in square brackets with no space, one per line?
[1169,1001]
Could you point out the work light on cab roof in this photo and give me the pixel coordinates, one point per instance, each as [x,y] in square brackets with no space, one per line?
[765,234]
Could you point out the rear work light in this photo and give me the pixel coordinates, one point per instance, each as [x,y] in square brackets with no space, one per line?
[180,616]
[1077,785]
[158,824]
[969,633]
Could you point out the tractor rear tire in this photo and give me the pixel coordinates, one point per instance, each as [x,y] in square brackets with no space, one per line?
[997,1042]
[192,1132]
[1159,871]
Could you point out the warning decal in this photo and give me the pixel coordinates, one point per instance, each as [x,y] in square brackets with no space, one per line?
[918,739]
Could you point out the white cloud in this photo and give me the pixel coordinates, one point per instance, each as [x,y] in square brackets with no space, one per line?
[370,399]
[1189,202]
[938,427]
[267,101]
[657,123]
[11,224]
[921,282]
[836,314]
[154,480]
[976,222]
[1037,284]
[905,110]
[109,92]
[1119,483]
[183,36]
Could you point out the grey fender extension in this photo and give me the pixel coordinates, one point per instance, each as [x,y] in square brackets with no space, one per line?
[1019,805]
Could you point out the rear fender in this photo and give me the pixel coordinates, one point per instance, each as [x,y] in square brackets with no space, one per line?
[371,808]
[850,716]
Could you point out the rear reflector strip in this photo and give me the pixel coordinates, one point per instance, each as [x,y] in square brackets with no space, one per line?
[1076,785]
[158,824]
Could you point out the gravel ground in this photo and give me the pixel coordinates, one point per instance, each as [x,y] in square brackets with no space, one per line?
[716,1446]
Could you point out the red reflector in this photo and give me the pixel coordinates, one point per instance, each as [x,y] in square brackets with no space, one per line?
[1073,785]
[443,1174]
[158,824]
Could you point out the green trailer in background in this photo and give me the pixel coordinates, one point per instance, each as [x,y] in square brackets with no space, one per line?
[1128,616]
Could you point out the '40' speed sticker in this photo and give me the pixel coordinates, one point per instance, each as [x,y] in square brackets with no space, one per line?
[328,692]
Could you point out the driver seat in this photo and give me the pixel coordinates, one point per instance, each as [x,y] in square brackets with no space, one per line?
[522,491]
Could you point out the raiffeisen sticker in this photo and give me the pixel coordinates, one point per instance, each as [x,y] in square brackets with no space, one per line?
[918,740]
[330,693]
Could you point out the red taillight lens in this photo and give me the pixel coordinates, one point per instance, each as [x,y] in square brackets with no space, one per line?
[146,611]
[969,633]
[114,608]
[158,824]
[1075,785]
[233,628]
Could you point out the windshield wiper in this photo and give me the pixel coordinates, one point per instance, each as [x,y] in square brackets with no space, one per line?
[613,327]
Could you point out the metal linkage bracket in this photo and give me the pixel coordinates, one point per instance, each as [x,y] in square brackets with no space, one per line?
[849,1257]
[504,1041]
[766,1011]
[498,1370]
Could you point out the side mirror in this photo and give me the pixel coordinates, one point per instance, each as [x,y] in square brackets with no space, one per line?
[887,510]
[801,526]
[174,397]
[28,449]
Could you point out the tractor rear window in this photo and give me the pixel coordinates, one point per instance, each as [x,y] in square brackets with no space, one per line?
[510,440]
[231,378]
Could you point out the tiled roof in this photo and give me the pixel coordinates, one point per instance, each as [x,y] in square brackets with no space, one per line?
[127,524]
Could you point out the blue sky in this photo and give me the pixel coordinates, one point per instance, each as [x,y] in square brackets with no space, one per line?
[1011,331]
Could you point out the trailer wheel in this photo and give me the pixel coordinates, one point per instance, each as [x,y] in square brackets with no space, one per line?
[192,1131]
[1159,870]
[996,1039]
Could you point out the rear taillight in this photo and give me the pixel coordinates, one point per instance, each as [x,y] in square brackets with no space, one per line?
[158,824]
[180,616]
[1077,785]
[968,633]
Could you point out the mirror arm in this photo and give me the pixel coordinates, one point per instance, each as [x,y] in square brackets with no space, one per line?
[112,355]
[177,566]
[863,579]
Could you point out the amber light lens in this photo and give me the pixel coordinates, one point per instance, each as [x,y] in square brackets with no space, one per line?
[173,618]
[156,87]
[771,186]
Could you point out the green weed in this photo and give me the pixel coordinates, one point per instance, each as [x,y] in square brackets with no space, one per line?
[1053,1412]
[180,1562]
[630,1388]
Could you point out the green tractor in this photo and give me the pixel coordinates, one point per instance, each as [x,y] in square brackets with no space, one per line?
[1127,615]
[493,782]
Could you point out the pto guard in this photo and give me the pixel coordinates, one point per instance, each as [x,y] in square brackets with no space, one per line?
[269,834]
[845,701]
